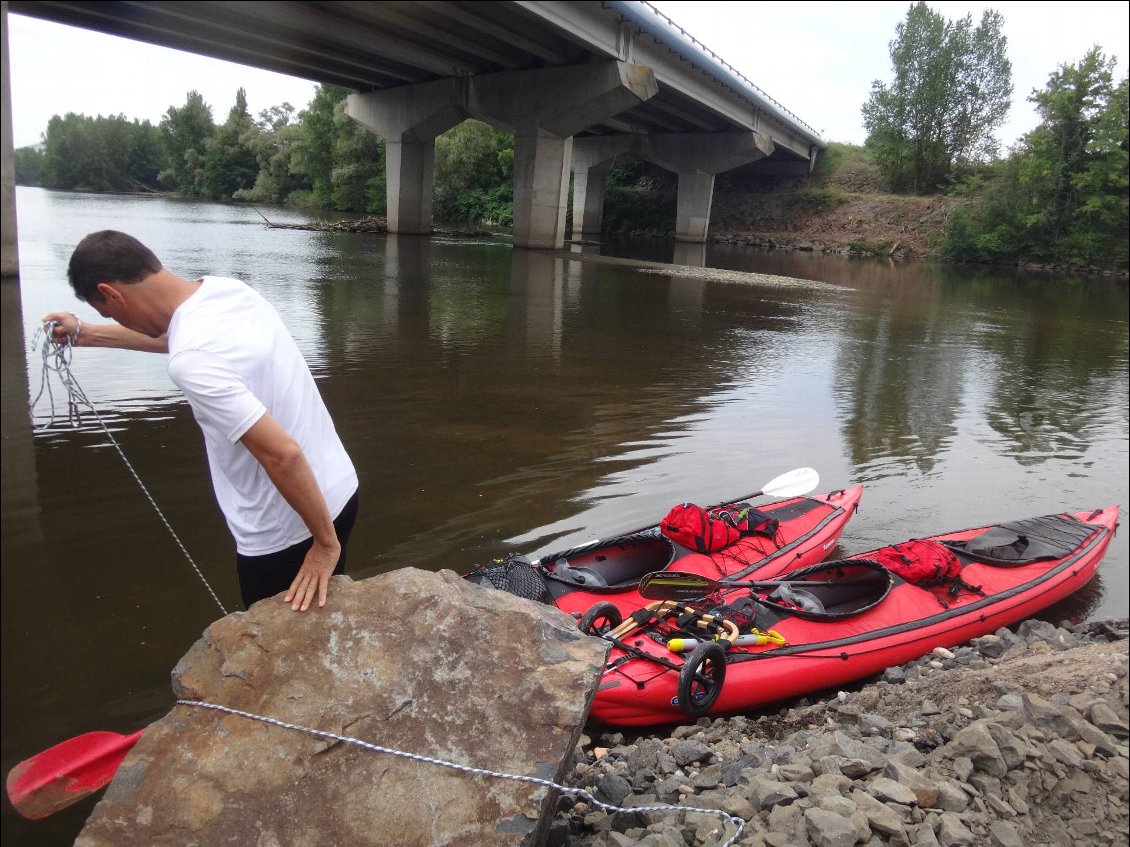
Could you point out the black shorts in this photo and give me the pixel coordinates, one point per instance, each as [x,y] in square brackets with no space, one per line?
[265,576]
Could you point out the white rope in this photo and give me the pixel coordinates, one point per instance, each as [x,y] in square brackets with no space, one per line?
[57,361]
[533,780]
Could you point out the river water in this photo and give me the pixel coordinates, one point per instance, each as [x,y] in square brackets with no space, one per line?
[497,400]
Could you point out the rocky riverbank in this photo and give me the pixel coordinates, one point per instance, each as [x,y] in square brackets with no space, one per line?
[1019,738]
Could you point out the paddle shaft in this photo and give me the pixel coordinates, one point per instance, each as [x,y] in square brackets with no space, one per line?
[662,586]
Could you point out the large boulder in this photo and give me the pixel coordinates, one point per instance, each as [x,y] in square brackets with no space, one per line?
[414,661]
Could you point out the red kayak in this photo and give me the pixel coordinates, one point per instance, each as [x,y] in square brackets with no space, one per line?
[598,582]
[723,646]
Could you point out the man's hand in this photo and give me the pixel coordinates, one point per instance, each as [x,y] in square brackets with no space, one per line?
[313,577]
[67,326]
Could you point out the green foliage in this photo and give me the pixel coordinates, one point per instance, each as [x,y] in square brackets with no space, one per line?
[951,89]
[184,132]
[1062,195]
[28,165]
[818,199]
[230,163]
[274,149]
[491,205]
[473,167]
[100,154]
[358,178]
[624,176]
[340,162]
[866,248]
[313,156]
[640,196]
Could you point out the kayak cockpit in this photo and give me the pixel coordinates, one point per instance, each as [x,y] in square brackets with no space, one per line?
[620,563]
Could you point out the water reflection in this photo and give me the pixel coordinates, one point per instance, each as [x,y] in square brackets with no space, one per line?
[899,384]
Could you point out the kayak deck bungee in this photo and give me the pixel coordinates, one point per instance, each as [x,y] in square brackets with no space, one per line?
[841,621]
[603,576]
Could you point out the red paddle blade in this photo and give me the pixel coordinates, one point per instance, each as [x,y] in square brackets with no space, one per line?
[64,774]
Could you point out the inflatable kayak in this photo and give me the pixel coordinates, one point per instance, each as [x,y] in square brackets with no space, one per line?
[721,646]
[598,582]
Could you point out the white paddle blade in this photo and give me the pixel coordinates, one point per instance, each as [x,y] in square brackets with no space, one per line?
[792,484]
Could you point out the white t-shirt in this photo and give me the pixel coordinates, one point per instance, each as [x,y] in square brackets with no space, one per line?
[234,359]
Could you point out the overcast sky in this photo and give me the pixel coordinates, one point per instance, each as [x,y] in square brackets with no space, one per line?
[817,59]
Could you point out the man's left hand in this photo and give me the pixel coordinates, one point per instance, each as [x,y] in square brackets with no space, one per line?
[313,577]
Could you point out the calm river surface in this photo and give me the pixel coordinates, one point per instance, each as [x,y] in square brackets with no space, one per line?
[498,400]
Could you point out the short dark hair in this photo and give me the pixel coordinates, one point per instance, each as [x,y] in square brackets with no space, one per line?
[109,256]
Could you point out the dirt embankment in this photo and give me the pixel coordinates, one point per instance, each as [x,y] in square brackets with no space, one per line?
[842,208]
[862,224]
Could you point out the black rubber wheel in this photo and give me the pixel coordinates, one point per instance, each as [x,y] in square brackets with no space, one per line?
[700,680]
[601,618]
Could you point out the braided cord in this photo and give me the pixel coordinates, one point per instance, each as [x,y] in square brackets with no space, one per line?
[467,769]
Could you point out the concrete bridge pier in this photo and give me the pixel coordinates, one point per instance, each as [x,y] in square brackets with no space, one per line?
[592,160]
[409,119]
[9,241]
[697,158]
[541,187]
[542,108]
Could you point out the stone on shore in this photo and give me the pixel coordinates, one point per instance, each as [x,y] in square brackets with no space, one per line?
[1015,739]
[410,660]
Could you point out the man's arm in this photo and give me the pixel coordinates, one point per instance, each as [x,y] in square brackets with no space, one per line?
[288,469]
[103,335]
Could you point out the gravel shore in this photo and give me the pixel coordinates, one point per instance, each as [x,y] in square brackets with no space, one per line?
[1019,738]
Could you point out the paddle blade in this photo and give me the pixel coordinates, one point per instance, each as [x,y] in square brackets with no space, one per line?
[792,484]
[64,774]
[675,585]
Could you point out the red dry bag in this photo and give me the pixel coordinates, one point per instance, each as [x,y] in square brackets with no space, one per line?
[694,528]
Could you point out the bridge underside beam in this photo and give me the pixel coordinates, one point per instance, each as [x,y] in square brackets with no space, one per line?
[542,108]
[695,157]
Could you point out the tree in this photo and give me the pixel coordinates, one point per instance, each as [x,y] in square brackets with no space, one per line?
[344,161]
[230,163]
[100,154]
[184,131]
[473,173]
[951,89]
[313,156]
[146,156]
[66,152]
[1063,194]
[28,164]
[1077,156]
[274,148]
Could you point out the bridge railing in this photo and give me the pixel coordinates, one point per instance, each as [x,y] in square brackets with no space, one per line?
[690,39]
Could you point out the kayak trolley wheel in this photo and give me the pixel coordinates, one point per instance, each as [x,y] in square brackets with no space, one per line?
[600,619]
[700,680]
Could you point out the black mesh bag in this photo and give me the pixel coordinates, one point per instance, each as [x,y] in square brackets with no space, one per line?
[514,575]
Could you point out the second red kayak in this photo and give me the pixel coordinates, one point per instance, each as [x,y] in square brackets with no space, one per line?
[598,582]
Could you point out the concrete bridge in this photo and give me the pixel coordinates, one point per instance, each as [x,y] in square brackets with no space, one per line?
[580,84]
